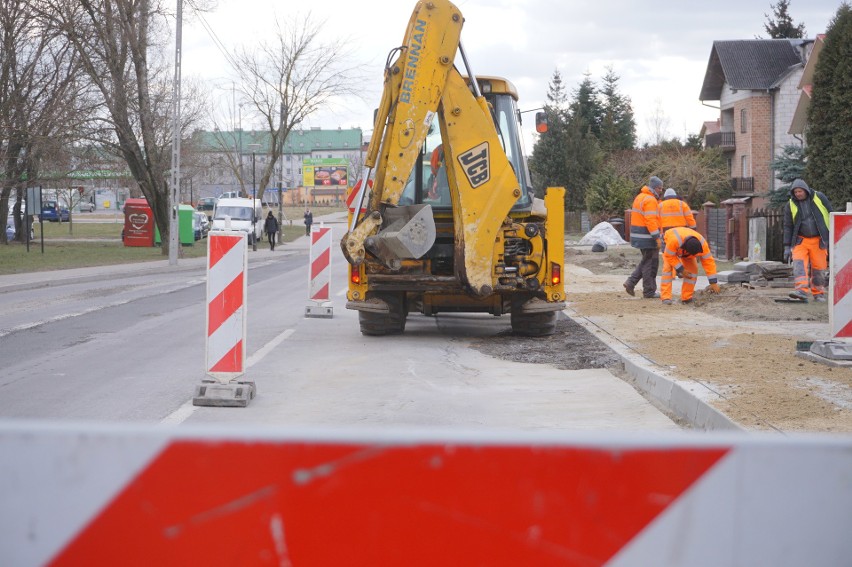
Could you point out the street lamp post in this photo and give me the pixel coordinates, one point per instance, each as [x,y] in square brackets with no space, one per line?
[253,205]
[253,198]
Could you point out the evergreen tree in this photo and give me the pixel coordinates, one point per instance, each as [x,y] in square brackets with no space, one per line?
[618,126]
[788,166]
[586,109]
[608,194]
[582,160]
[548,160]
[829,136]
[782,27]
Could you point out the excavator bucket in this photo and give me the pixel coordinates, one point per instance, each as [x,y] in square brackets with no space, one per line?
[409,234]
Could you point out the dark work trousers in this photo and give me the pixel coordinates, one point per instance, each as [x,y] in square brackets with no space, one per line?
[646,271]
[271,237]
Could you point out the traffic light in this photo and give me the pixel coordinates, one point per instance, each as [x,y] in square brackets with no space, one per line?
[541,122]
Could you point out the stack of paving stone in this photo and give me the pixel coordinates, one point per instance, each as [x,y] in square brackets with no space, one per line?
[759,274]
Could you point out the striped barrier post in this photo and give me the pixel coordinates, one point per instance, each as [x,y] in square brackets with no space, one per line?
[225,349]
[103,495]
[837,351]
[319,278]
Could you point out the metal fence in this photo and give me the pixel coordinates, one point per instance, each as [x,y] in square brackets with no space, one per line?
[774,232]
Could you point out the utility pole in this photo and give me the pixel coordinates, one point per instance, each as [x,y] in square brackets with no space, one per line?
[174,242]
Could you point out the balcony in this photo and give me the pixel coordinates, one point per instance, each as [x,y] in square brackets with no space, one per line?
[724,140]
[742,186]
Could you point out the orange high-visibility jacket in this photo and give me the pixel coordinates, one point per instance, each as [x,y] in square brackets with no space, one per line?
[644,220]
[674,212]
[673,252]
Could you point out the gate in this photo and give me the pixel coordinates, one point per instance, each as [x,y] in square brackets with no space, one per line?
[717,233]
[774,232]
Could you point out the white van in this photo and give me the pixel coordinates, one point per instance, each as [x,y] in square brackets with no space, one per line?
[243,217]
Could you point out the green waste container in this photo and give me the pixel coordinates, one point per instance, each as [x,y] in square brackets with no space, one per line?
[186,234]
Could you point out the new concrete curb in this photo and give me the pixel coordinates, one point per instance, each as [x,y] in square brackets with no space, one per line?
[686,400]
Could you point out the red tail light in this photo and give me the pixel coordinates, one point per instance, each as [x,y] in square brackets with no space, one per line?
[355,274]
[555,274]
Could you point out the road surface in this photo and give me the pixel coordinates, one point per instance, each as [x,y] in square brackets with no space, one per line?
[130,348]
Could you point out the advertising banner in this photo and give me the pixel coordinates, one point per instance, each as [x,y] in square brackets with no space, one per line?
[328,171]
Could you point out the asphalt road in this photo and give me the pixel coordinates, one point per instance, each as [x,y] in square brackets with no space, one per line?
[121,347]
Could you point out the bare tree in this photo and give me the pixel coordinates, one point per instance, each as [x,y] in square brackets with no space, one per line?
[287,79]
[39,100]
[658,123]
[121,48]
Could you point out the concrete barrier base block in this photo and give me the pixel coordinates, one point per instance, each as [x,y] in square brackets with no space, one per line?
[835,350]
[231,395]
[320,311]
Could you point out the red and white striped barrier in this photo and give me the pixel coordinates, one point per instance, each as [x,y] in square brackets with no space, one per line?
[319,283]
[227,261]
[354,196]
[225,349]
[90,495]
[840,287]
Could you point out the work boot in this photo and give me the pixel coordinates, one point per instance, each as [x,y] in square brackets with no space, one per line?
[800,295]
[655,295]
[629,289]
[667,302]
[819,298]
[686,301]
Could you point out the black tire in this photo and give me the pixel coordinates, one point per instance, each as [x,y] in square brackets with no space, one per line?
[537,324]
[391,323]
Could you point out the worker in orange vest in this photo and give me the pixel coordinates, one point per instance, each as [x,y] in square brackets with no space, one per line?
[683,248]
[645,235]
[674,212]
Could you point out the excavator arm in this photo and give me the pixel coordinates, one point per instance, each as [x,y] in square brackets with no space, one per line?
[413,87]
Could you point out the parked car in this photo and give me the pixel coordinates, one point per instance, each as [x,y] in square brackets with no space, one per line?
[87,207]
[53,212]
[200,225]
[207,206]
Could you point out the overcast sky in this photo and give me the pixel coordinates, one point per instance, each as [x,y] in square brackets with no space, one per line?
[658,49]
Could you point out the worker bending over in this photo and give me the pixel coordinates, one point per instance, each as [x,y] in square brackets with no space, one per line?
[683,248]
[674,212]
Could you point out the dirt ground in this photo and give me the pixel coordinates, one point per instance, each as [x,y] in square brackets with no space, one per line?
[740,344]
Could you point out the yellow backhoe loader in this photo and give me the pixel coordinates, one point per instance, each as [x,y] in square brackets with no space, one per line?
[445,217]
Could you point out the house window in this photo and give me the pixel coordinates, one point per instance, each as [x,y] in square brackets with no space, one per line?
[743,120]
[744,164]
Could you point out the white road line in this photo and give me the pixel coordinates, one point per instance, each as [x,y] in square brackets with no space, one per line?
[267,348]
[187,409]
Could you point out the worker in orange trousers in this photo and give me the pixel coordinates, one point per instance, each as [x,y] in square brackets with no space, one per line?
[684,247]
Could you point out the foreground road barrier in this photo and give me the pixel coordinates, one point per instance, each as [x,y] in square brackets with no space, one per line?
[132,495]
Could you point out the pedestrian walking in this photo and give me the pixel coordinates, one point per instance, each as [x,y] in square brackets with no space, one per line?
[684,247]
[806,240]
[674,212]
[645,235]
[309,220]
[270,226]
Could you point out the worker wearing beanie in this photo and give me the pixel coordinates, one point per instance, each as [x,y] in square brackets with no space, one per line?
[645,235]
[684,247]
[806,222]
[674,212]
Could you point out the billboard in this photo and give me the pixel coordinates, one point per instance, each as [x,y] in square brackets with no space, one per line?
[318,172]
